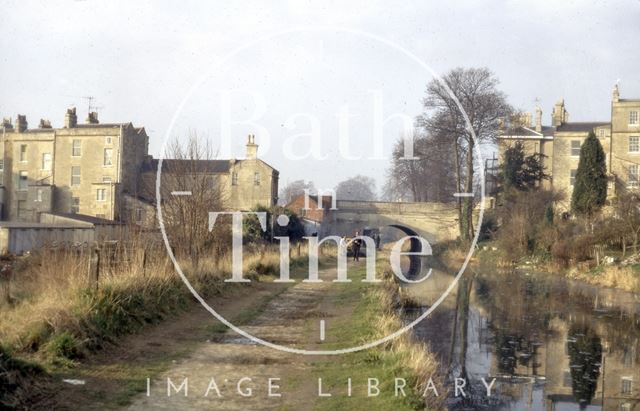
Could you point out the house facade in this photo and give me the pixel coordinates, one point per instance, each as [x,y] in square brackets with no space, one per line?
[105,171]
[560,144]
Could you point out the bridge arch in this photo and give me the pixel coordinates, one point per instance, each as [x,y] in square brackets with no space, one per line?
[415,263]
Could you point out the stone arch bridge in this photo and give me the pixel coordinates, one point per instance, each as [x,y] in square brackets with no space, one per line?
[435,222]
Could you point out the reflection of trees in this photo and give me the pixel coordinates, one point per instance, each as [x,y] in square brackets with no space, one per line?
[585,354]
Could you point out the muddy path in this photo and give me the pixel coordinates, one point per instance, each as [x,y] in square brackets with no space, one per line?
[196,347]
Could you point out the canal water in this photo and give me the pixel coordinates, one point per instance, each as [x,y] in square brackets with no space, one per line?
[550,343]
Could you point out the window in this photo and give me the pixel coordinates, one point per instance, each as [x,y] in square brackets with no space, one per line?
[23,181]
[633,118]
[626,387]
[46,161]
[625,406]
[75,205]
[100,216]
[1,165]
[632,179]
[575,148]
[75,175]
[106,179]
[256,179]
[108,157]
[572,178]
[23,153]
[634,144]
[138,215]
[22,209]
[101,194]
[108,140]
[627,358]
[234,179]
[566,379]
[602,133]
[76,148]
[39,195]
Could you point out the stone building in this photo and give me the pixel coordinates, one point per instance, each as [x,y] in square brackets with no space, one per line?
[78,168]
[560,143]
[101,170]
[245,183]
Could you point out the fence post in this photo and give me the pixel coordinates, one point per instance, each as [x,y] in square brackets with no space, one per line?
[5,283]
[144,262]
[94,268]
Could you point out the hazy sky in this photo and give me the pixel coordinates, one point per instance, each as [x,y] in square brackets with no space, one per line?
[140,59]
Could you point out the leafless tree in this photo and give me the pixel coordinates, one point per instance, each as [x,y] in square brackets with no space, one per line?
[189,168]
[429,177]
[476,90]
[360,188]
[294,189]
[627,209]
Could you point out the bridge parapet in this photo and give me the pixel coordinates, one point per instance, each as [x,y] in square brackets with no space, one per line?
[393,207]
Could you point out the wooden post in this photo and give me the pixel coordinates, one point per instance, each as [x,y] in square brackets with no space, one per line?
[94,268]
[144,262]
[5,283]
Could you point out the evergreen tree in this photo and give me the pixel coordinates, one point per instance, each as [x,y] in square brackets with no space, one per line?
[519,171]
[590,189]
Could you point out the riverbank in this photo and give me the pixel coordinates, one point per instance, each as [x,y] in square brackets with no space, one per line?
[612,274]
[56,318]
[181,338]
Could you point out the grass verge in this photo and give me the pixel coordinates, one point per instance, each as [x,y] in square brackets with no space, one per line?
[375,315]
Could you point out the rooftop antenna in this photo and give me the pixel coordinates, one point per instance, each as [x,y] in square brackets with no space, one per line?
[90,106]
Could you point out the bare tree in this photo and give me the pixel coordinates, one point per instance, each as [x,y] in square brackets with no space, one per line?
[429,177]
[294,189]
[476,90]
[628,211]
[190,168]
[359,188]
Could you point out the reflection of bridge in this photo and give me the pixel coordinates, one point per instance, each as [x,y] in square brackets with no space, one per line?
[435,222]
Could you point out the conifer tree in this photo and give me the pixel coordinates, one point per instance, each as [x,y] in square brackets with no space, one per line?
[590,189]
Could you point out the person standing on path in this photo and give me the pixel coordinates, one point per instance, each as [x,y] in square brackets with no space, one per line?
[357,243]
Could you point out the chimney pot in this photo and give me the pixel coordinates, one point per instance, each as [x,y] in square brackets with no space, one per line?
[70,118]
[92,118]
[252,148]
[538,119]
[21,123]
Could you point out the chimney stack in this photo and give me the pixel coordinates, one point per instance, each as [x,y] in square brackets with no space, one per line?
[538,119]
[6,123]
[559,114]
[616,93]
[70,119]
[44,123]
[21,123]
[252,147]
[92,118]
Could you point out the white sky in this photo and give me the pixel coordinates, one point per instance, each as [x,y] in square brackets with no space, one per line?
[139,59]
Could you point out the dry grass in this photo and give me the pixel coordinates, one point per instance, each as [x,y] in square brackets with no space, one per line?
[413,354]
[57,316]
[624,278]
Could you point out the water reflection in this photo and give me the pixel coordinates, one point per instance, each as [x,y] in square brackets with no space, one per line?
[551,344]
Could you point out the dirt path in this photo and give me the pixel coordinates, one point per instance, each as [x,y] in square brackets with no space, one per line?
[285,320]
[196,346]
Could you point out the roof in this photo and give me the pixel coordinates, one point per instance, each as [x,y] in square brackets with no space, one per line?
[327,200]
[87,219]
[580,127]
[522,131]
[199,166]
[26,224]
